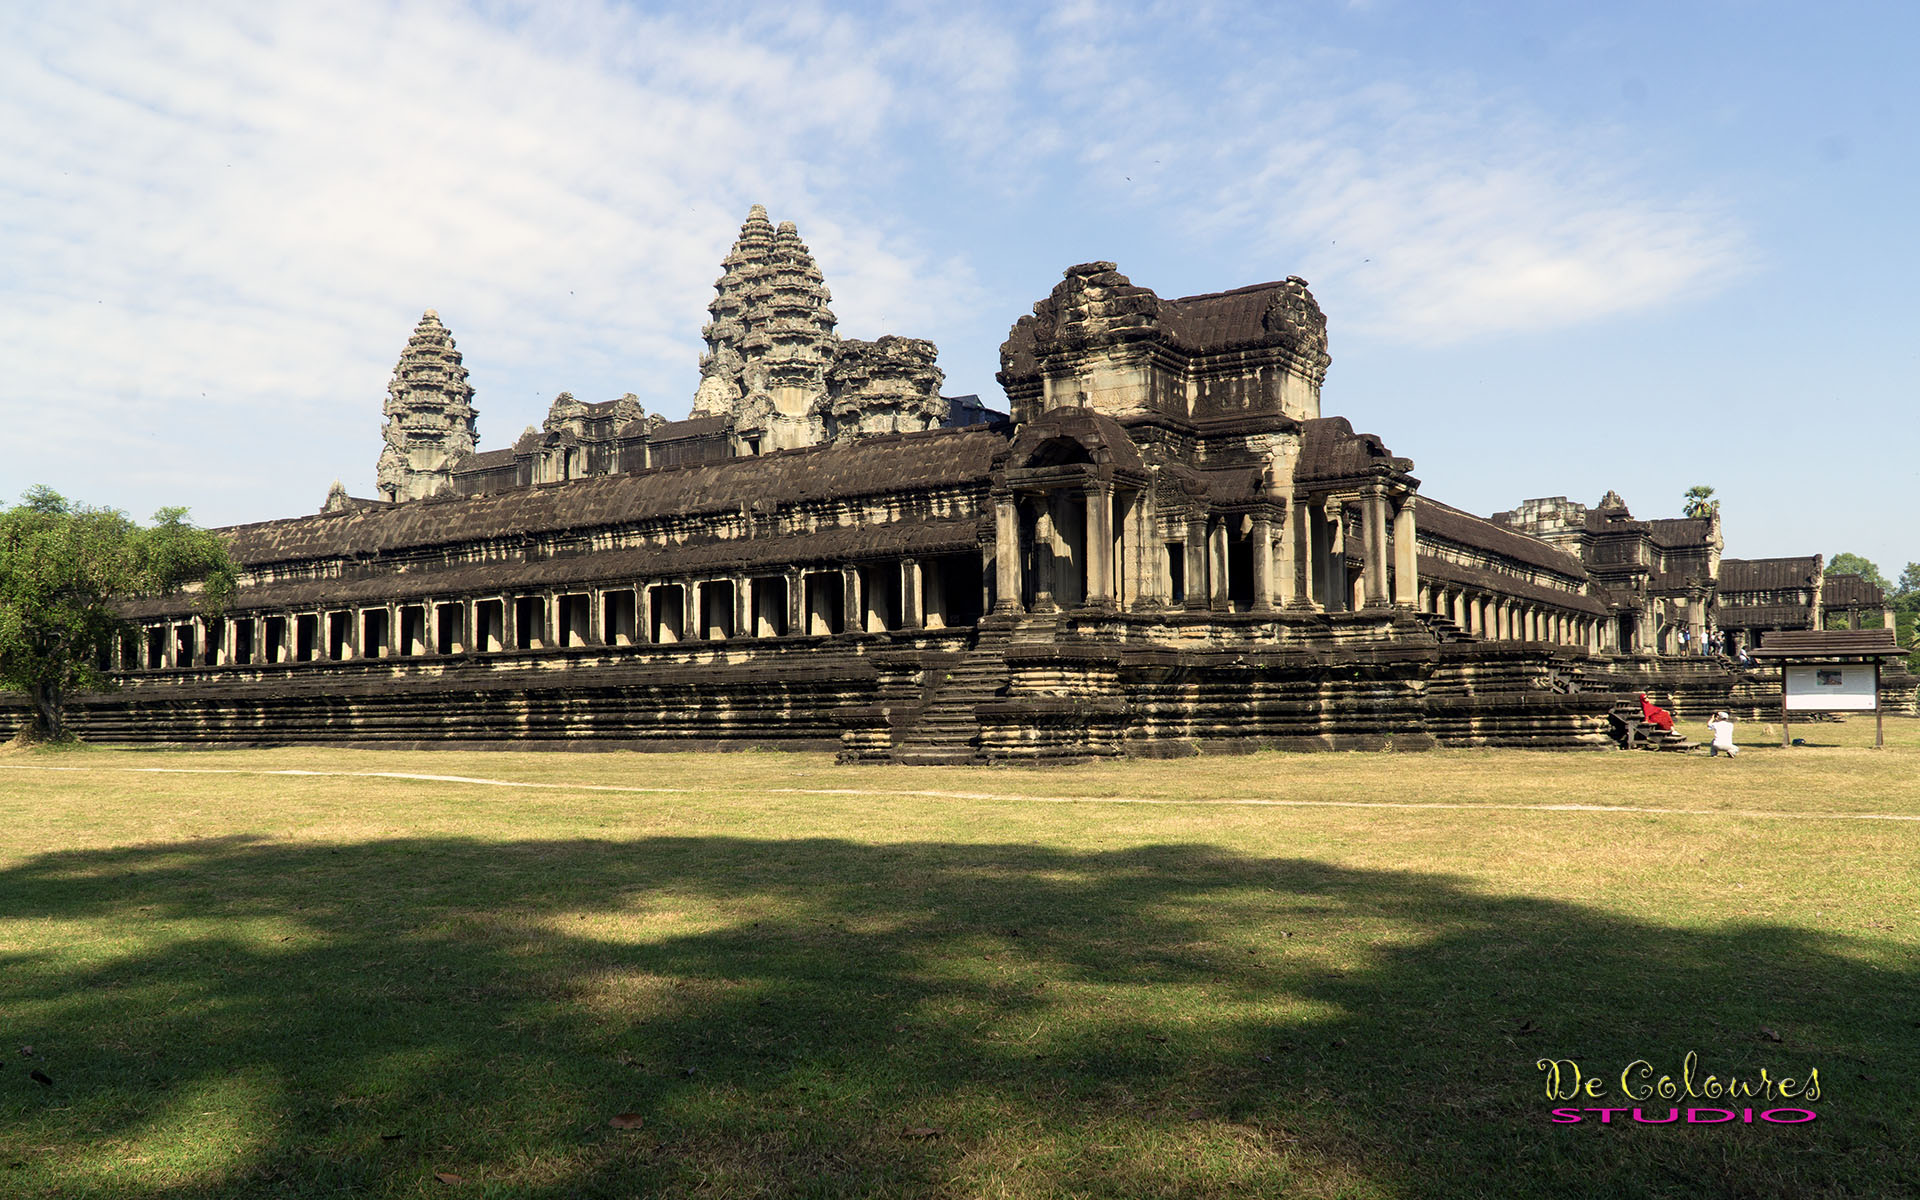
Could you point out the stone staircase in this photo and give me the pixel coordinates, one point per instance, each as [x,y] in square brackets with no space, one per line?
[1632,731]
[1445,628]
[944,733]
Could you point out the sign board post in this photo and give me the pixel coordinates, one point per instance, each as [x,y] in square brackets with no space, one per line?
[1830,687]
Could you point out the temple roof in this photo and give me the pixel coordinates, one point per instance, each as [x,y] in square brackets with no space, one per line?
[1447,523]
[865,466]
[1095,303]
[1330,449]
[703,556]
[1848,590]
[1767,574]
[1680,531]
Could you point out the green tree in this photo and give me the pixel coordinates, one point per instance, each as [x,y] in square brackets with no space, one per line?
[63,568]
[1699,502]
[1853,564]
[1906,593]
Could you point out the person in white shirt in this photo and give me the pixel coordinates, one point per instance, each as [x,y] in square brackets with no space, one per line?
[1722,727]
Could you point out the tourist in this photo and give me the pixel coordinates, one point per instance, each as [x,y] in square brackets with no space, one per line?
[1654,715]
[1684,639]
[1722,727]
[1742,659]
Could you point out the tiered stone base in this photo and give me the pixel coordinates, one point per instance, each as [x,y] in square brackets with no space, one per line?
[1046,688]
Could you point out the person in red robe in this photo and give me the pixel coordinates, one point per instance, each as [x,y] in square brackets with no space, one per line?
[1654,715]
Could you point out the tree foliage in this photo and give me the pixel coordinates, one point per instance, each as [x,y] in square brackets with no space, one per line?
[1853,564]
[1906,593]
[63,568]
[1699,502]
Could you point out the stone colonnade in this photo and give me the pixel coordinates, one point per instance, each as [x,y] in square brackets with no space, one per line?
[894,595]
[1495,617]
[1086,543]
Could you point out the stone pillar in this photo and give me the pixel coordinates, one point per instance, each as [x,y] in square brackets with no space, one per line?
[1330,550]
[910,597]
[690,615]
[743,614]
[1262,563]
[1006,555]
[1406,563]
[1099,545]
[643,613]
[199,639]
[796,603]
[1301,568]
[1219,595]
[1373,540]
[596,632]
[851,609]
[1198,588]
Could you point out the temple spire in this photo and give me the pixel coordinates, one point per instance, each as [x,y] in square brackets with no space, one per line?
[429,415]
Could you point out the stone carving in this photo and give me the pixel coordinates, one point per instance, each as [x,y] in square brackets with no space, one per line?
[775,365]
[887,386]
[429,415]
[1294,316]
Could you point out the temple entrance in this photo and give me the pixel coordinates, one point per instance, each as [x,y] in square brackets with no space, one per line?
[770,606]
[617,617]
[716,609]
[1053,544]
[826,607]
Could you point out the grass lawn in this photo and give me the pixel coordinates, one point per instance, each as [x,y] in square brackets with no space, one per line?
[1271,975]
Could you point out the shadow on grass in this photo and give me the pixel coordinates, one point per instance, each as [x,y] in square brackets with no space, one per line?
[794,1018]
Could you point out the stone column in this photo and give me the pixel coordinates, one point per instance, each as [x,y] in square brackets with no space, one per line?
[1300,539]
[1198,588]
[743,614]
[1406,562]
[1262,563]
[1099,545]
[851,608]
[690,614]
[596,616]
[1697,625]
[796,603]
[1373,540]
[1331,556]
[1006,555]
[910,598]
[643,613]
[1219,595]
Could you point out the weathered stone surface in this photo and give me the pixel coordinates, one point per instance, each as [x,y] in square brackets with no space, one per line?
[1171,551]
[429,415]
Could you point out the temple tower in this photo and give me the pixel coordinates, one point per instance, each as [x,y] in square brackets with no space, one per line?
[771,339]
[775,365]
[430,415]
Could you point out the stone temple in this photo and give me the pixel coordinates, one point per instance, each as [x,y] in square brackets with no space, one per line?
[1162,546]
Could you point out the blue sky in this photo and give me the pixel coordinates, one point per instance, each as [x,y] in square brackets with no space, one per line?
[1562,248]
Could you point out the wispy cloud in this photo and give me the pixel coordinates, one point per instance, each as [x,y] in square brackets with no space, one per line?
[221,221]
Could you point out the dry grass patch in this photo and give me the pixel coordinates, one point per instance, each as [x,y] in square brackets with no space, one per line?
[814,980]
